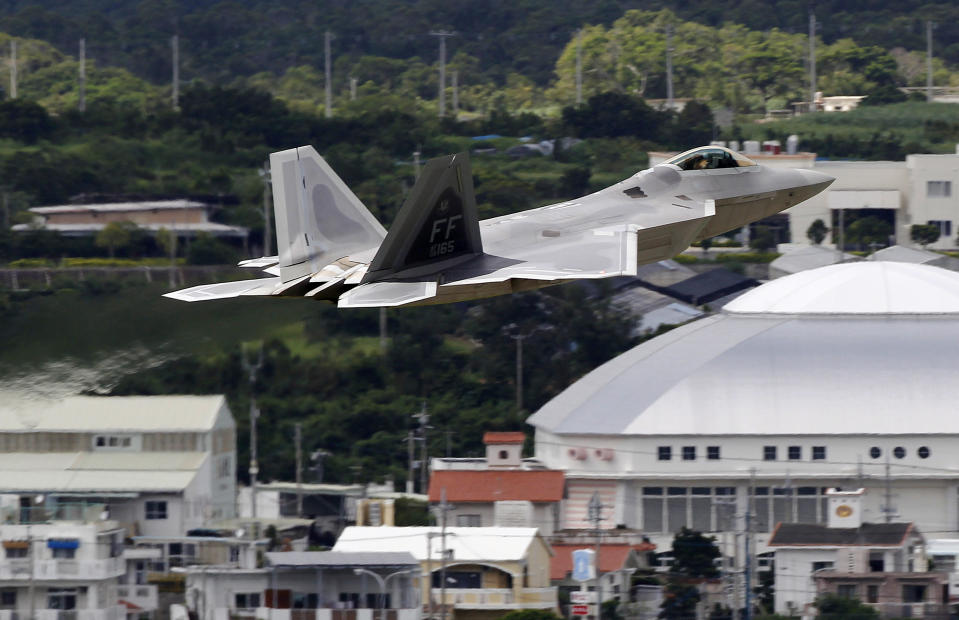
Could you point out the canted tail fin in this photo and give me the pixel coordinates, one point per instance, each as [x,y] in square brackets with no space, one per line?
[318,219]
[436,227]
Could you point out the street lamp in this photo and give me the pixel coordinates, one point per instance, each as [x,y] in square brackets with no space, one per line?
[382,583]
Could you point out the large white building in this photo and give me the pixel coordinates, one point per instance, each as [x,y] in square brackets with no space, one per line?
[842,376]
[161,465]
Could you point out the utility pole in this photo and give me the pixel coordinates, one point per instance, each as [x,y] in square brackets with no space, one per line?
[444,508]
[82,81]
[669,67]
[429,575]
[383,341]
[579,66]
[424,420]
[595,508]
[748,612]
[416,165]
[410,453]
[812,57]
[519,374]
[267,179]
[888,509]
[456,94]
[449,445]
[929,26]
[443,35]
[353,89]
[13,68]
[328,72]
[298,440]
[175,44]
[252,369]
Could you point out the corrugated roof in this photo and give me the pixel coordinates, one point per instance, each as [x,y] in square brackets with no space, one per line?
[804,534]
[343,559]
[493,486]
[708,286]
[611,557]
[503,437]
[107,472]
[808,257]
[113,413]
[147,205]
[465,543]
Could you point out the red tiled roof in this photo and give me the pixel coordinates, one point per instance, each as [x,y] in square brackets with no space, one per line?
[611,557]
[504,437]
[493,485]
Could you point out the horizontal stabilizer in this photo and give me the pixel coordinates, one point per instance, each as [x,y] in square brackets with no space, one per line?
[223,290]
[379,294]
[259,263]
[436,227]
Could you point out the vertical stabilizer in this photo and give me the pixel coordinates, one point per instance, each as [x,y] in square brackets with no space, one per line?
[318,219]
[436,227]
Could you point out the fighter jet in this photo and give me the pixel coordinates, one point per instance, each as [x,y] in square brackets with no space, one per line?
[438,251]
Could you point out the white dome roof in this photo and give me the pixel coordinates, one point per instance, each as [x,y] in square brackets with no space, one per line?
[851,349]
[856,288]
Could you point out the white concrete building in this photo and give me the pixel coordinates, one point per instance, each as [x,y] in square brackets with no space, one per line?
[53,567]
[817,380]
[162,465]
[316,585]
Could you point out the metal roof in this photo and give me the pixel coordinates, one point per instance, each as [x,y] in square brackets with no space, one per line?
[868,534]
[465,543]
[147,205]
[108,472]
[112,414]
[808,257]
[342,559]
[769,373]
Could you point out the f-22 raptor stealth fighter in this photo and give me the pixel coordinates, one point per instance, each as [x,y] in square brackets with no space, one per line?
[438,251]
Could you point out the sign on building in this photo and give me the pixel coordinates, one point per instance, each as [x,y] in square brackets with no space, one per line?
[580,610]
[584,567]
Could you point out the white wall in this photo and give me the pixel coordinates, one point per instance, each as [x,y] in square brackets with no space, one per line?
[794,582]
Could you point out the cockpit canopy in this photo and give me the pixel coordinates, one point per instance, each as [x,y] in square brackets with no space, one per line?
[710,158]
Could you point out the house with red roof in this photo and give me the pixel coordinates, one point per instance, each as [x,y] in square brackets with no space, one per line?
[501,490]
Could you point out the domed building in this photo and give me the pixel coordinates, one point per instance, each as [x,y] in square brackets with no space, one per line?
[844,376]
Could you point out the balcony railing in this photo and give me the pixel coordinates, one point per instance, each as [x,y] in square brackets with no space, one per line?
[497,598]
[61,569]
[143,596]
[110,613]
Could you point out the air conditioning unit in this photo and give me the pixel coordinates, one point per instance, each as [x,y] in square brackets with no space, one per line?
[578,453]
[605,454]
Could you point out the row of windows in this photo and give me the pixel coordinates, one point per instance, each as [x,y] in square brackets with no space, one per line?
[899,452]
[794,453]
[665,453]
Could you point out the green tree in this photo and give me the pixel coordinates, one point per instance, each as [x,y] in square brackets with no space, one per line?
[762,239]
[207,250]
[115,235]
[24,120]
[817,231]
[833,607]
[924,234]
[868,231]
[693,554]
[679,601]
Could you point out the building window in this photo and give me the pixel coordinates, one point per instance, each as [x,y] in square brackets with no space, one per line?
[872,594]
[61,598]
[223,469]
[769,453]
[944,226]
[913,594]
[938,189]
[247,600]
[156,510]
[923,452]
[899,452]
[689,453]
[821,566]
[468,520]
[712,453]
[8,599]
[113,441]
[795,453]
[234,554]
[665,453]
[503,455]
[61,553]
[846,590]
[699,508]
[819,453]
[875,452]
[17,552]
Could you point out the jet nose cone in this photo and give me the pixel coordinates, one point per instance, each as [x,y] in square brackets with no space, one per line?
[815,181]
